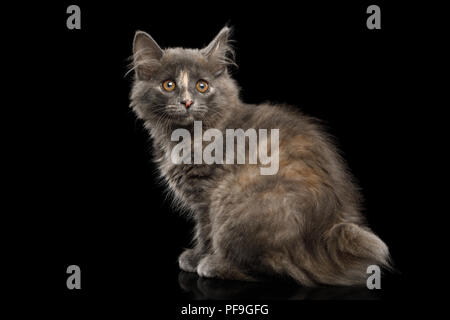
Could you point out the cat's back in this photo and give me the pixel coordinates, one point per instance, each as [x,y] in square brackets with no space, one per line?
[305,152]
[289,120]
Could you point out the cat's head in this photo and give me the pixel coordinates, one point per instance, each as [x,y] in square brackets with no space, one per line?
[177,86]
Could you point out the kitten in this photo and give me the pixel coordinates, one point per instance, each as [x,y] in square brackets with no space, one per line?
[303,222]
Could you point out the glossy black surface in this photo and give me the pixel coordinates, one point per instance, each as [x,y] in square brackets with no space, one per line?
[82,189]
[214,289]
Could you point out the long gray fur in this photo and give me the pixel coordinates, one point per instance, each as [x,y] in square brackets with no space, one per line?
[303,223]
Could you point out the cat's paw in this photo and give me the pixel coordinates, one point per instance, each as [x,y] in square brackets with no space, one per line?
[188,260]
[206,268]
[214,266]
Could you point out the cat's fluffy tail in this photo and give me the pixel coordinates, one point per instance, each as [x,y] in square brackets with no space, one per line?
[349,249]
[353,249]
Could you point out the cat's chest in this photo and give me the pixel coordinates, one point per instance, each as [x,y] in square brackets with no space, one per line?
[191,182]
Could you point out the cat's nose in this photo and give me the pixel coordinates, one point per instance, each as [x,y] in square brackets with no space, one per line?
[187,103]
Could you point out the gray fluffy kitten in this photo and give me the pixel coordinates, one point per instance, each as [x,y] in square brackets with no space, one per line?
[302,223]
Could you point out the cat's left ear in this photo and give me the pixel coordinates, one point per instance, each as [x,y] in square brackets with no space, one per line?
[219,52]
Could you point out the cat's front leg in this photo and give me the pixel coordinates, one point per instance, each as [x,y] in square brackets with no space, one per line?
[190,258]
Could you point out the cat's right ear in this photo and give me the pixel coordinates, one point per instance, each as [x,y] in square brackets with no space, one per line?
[146,55]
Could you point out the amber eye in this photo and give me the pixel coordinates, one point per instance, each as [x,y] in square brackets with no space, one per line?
[169,85]
[202,86]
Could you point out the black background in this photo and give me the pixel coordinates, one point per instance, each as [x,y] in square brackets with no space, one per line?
[84,189]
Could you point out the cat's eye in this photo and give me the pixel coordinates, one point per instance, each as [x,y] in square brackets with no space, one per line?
[202,86]
[169,85]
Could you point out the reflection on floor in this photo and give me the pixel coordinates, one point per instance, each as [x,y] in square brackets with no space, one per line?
[214,289]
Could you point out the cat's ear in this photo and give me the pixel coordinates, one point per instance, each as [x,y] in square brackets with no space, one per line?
[219,52]
[146,55]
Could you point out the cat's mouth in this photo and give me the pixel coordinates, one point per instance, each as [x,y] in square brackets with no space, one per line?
[182,117]
[186,116]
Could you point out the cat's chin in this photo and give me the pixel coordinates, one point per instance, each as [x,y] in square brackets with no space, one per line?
[183,120]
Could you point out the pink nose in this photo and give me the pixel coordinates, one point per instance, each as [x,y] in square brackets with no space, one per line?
[187,103]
